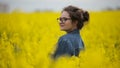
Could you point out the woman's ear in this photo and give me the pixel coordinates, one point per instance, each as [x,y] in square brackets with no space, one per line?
[75,23]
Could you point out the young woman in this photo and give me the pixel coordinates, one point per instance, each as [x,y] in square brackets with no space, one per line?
[71,21]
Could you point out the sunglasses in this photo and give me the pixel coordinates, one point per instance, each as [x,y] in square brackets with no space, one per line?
[63,20]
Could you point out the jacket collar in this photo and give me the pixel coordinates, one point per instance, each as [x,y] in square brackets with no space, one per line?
[73,31]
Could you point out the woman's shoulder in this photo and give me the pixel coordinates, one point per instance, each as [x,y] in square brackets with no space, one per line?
[64,37]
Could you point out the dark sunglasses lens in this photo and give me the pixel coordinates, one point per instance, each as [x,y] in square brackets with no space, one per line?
[65,19]
[62,19]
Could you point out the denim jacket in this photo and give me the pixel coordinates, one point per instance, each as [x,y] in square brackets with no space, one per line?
[69,44]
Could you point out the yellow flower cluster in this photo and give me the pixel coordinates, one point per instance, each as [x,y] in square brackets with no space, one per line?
[28,39]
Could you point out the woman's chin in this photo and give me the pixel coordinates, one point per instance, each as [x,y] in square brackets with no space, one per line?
[62,29]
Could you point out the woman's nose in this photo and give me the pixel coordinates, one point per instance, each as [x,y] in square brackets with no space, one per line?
[61,22]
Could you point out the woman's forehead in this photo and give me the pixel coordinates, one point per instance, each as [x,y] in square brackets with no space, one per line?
[65,14]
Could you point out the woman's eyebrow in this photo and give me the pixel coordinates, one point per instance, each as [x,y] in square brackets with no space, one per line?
[64,17]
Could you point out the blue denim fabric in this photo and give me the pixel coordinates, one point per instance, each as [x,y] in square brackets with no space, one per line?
[69,44]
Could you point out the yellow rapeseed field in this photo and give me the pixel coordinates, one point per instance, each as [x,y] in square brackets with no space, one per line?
[28,39]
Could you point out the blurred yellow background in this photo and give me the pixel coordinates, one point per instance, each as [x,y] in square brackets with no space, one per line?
[29,32]
[27,39]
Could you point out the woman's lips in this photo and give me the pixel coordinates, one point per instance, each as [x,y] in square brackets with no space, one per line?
[61,25]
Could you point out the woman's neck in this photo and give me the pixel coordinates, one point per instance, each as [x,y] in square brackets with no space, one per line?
[71,30]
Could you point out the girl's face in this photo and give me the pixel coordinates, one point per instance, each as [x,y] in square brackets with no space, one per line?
[66,23]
